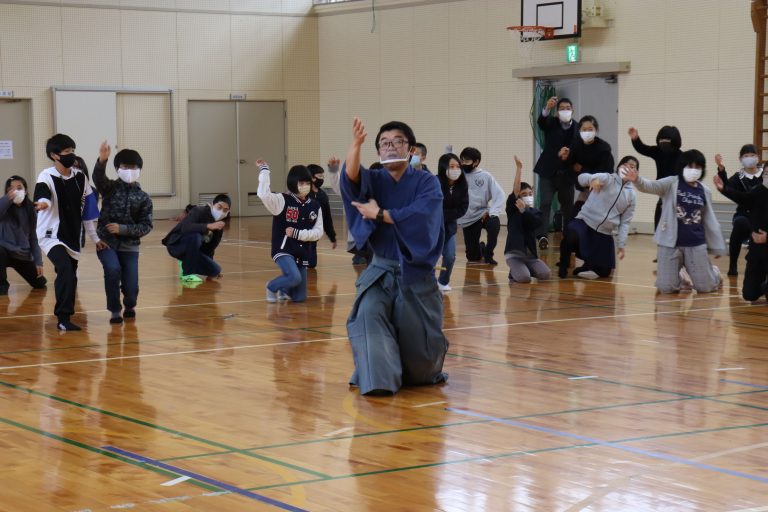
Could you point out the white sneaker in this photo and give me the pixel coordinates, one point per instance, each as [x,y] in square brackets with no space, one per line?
[686,284]
[444,288]
[281,295]
[271,296]
[718,277]
[588,274]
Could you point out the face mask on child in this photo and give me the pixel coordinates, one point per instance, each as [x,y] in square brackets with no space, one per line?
[416,162]
[304,189]
[528,200]
[749,162]
[565,115]
[217,214]
[587,136]
[690,174]
[454,173]
[19,195]
[128,175]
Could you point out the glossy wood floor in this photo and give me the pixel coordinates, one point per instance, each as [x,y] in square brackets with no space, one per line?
[564,395]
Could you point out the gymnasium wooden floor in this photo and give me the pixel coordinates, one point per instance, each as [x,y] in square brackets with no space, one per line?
[564,395]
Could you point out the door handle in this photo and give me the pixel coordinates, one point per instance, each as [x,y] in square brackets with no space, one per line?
[242,162]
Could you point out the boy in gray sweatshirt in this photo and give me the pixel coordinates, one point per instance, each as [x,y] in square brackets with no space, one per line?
[486,202]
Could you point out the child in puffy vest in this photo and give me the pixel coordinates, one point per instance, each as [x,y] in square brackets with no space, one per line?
[297,221]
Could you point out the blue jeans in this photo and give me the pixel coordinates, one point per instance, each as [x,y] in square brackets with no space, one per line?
[449,258]
[293,281]
[193,260]
[121,271]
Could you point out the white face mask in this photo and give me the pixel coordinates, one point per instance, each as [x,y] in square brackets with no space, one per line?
[304,190]
[454,173]
[623,171]
[128,175]
[690,174]
[19,195]
[587,136]
[528,200]
[217,214]
[749,162]
[565,115]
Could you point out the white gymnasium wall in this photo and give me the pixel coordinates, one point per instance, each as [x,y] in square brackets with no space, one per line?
[203,49]
[445,67]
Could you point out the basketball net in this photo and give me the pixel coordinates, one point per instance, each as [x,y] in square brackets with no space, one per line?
[528,36]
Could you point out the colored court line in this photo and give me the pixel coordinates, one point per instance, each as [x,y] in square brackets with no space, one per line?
[202,478]
[507,455]
[164,429]
[748,384]
[99,451]
[611,444]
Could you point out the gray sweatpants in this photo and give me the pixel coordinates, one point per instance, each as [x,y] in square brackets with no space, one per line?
[696,262]
[523,267]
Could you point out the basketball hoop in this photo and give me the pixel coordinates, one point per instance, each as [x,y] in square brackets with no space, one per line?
[529,34]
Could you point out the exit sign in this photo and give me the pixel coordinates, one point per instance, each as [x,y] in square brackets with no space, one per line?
[572,53]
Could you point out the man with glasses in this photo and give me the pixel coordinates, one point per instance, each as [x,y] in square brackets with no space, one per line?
[395,327]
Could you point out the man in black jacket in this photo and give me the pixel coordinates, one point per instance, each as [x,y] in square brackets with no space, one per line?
[559,131]
[194,239]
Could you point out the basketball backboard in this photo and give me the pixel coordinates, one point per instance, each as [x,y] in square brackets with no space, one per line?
[562,15]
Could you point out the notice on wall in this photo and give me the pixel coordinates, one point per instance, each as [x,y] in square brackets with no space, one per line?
[6,150]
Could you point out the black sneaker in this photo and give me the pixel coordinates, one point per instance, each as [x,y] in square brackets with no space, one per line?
[543,242]
[733,271]
[482,250]
[490,261]
[562,272]
[129,313]
[66,325]
[116,320]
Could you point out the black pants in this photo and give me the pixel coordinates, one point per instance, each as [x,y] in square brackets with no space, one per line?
[756,272]
[26,269]
[65,283]
[560,184]
[568,244]
[657,215]
[742,230]
[492,226]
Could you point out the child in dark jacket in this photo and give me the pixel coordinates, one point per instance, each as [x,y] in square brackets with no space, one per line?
[126,216]
[19,249]
[523,220]
[455,203]
[193,241]
[297,221]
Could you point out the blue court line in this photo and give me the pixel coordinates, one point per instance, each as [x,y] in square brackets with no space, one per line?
[205,479]
[638,451]
[748,384]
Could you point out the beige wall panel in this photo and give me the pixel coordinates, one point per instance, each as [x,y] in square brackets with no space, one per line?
[301,59]
[257,57]
[150,52]
[731,131]
[205,60]
[395,30]
[333,53]
[736,39]
[397,104]
[256,6]
[303,145]
[432,120]
[362,54]
[30,38]
[636,40]
[336,123]
[151,4]
[502,54]
[297,7]
[203,5]
[92,54]
[468,42]
[151,139]
[468,117]
[431,36]
[691,35]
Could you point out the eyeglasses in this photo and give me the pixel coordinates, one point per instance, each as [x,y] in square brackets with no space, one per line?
[396,143]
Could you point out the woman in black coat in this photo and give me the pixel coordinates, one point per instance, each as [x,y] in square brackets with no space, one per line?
[455,204]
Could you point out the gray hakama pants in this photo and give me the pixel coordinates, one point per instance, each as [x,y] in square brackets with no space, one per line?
[396,331]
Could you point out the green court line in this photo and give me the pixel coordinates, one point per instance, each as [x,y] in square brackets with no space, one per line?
[93,449]
[507,455]
[164,429]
